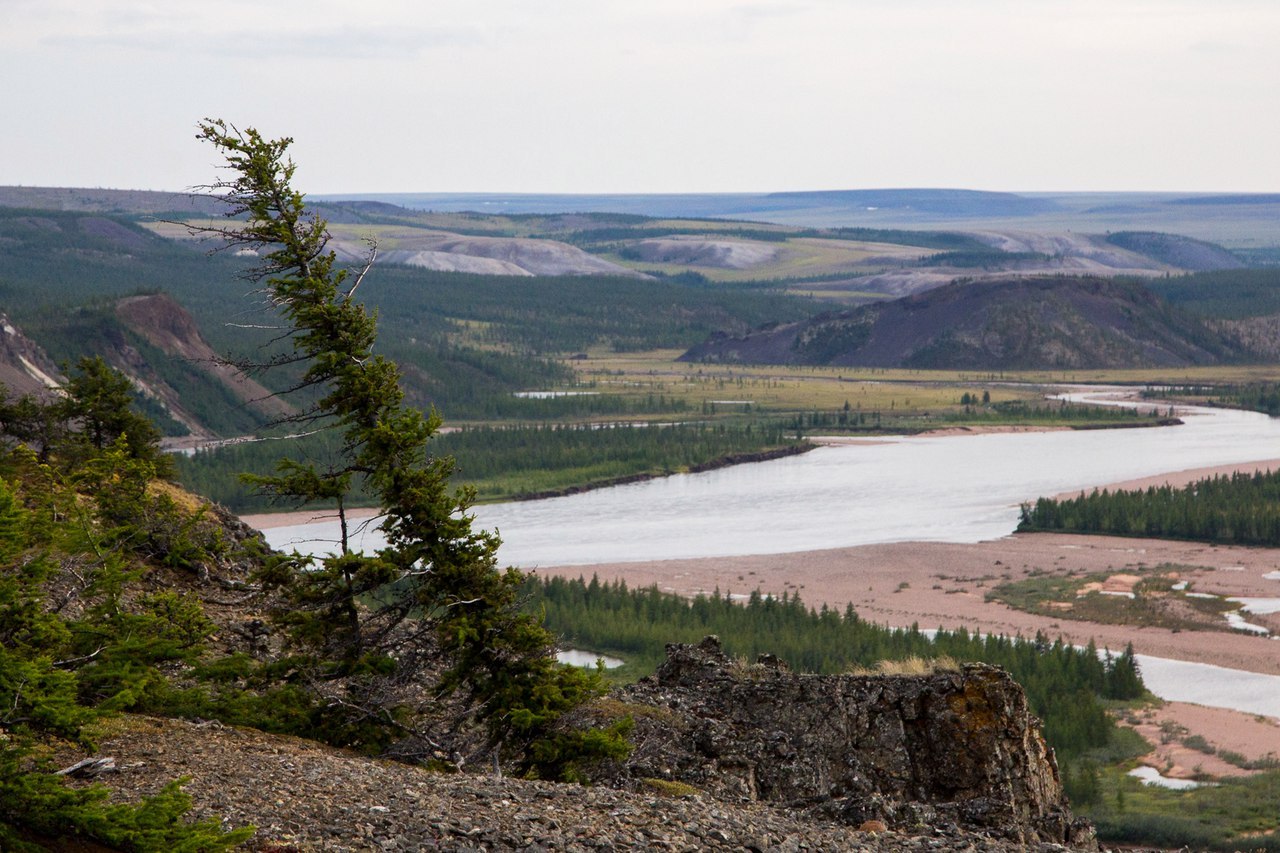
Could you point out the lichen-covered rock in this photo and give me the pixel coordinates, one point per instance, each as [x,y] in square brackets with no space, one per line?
[958,747]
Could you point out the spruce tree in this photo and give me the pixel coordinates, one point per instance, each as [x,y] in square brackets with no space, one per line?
[367,629]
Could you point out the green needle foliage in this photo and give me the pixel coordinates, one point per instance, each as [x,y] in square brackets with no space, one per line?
[75,532]
[367,631]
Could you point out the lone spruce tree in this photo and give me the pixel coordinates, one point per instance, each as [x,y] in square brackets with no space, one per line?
[367,629]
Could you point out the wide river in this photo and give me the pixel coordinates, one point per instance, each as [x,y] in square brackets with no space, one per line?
[964,488]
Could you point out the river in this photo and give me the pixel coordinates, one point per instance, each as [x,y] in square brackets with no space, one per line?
[950,488]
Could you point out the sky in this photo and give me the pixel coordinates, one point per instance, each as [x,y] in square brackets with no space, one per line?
[647,96]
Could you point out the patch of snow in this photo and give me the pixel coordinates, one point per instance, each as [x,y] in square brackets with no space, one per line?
[1180,586]
[1200,595]
[1271,576]
[1116,593]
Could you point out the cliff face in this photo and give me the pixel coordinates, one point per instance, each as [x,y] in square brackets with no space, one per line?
[911,751]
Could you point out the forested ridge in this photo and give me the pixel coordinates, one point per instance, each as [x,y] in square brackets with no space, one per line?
[465,342]
[505,462]
[1255,396]
[1229,294]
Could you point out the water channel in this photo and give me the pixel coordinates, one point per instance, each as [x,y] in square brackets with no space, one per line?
[950,488]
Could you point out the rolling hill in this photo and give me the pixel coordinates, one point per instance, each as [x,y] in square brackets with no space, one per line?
[1024,323]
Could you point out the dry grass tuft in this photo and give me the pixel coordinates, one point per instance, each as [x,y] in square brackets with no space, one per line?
[913,665]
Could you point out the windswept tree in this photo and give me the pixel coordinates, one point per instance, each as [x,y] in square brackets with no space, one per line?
[368,631]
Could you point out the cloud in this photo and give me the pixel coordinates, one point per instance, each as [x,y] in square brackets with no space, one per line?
[328,44]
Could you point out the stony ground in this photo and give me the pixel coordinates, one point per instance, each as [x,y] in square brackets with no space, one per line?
[305,797]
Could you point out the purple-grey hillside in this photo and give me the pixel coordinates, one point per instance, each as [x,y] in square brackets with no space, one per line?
[1026,323]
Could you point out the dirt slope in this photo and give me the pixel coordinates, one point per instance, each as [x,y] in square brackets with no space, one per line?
[166,325]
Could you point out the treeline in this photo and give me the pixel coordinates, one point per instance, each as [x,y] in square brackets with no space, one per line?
[1066,686]
[947,241]
[527,406]
[974,413]
[1240,509]
[1062,410]
[1261,397]
[1230,294]
[614,237]
[505,462]
[1256,397]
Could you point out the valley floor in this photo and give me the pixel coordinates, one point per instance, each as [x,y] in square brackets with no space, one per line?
[942,584]
[938,584]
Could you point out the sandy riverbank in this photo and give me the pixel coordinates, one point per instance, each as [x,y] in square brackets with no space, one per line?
[941,584]
[272,520]
[1244,734]
[858,440]
[1178,479]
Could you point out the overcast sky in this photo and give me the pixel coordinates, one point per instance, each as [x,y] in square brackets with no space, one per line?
[650,95]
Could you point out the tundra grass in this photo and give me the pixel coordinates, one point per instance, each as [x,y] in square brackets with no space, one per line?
[1233,814]
[1156,601]
[905,400]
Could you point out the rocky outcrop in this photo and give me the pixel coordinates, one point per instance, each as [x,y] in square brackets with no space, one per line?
[916,752]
